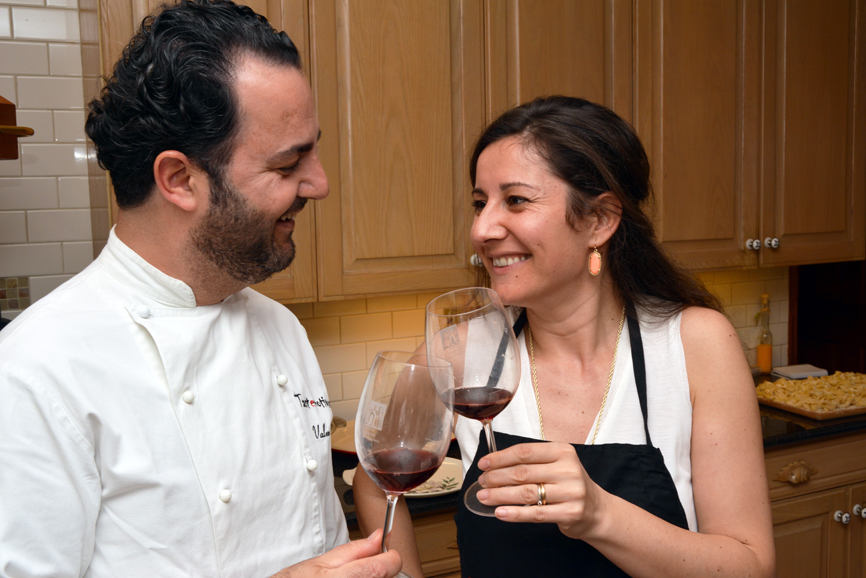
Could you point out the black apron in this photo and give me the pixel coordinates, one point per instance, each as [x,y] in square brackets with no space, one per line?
[635,473]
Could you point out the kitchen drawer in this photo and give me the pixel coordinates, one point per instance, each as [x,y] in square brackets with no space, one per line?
[820,465]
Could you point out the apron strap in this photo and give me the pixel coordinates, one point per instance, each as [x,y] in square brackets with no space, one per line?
[637,360]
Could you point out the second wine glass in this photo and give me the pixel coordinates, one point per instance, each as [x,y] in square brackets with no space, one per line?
[471,329]
[403,425]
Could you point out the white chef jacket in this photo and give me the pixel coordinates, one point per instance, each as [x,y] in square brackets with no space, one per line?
[141,435]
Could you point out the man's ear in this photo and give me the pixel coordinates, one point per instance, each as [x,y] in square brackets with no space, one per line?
[179,180]
[609,216]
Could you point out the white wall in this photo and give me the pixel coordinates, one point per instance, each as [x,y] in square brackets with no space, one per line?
[45,221]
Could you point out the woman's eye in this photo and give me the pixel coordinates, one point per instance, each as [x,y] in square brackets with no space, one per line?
[513,200]
[478,205]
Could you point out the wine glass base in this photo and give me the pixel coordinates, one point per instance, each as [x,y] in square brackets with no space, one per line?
[470,498]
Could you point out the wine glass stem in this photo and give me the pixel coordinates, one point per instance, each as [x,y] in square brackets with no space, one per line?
[389,518]
[488,431]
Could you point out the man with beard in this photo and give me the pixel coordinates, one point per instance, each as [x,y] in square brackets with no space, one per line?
[149,422]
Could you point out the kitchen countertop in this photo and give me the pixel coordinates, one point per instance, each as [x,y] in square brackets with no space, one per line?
[779,428]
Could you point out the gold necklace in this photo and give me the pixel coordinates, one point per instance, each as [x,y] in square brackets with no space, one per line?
[606,389]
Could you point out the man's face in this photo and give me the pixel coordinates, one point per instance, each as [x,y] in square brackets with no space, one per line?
[274,170]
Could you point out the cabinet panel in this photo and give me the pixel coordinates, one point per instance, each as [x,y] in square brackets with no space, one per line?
[698,90]
[814,192]
[809,543]
[581,49]
[398,88]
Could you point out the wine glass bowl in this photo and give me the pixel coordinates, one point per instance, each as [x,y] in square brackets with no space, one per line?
[403,424]
[471,329]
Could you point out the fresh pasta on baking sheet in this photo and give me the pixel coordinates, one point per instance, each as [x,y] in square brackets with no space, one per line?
[840,391]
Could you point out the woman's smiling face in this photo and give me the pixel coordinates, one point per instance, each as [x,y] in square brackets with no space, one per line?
[520,229]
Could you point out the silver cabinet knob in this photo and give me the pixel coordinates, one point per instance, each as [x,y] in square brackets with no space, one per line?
[475,260]
[841,516]
[771,242]
[859,511]
[753,244]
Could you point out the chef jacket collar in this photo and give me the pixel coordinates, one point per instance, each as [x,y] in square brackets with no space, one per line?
[132,270]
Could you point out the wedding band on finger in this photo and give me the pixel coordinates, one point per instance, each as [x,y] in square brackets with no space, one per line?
[542,495]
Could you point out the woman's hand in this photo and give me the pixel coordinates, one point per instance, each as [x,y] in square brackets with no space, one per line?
[574,502]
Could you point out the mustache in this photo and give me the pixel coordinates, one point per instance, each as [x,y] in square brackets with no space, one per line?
[298,205]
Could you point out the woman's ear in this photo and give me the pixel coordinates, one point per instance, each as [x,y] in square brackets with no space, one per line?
[609,215]
[179,180]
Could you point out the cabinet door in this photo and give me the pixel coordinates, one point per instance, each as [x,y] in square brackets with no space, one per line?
[698,71]
[581,49]
[814,186]
[857,528]
[399,90]
[809,543]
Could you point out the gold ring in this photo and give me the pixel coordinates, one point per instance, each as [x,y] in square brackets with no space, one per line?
[542,495]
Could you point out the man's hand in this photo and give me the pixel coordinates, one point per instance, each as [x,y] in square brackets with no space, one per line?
[358,559]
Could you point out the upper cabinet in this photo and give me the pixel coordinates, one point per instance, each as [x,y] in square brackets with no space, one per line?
[399,88]
[751,111]
[752,114]
[814,125]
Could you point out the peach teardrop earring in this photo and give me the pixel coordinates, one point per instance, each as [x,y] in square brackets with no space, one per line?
[595,262]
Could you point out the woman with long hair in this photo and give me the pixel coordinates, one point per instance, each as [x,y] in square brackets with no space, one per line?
[633,445]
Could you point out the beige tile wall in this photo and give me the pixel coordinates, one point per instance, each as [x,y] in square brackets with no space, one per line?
[45,224]
[347,334]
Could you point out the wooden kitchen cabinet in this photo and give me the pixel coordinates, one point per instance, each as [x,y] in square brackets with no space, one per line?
[810,541]
[752,113]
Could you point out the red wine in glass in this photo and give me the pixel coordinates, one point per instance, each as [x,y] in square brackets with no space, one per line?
[402,469]
[481,402]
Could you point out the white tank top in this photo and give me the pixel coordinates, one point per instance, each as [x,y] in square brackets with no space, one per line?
[668,404]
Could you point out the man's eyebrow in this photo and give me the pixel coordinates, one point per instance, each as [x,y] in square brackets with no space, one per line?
[295,150]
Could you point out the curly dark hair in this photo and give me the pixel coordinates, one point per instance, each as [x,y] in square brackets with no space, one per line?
[172,90]
[594,150]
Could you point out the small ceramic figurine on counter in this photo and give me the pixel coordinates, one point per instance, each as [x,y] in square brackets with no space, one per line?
[632,446]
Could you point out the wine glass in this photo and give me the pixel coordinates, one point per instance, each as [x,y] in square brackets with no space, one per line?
[470,328]
[403,425]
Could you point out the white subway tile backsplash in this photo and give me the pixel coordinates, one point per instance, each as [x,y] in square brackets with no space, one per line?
[45,24]
[13,227]
[25,2]
[28,260]
[333,383]
[74,192]
[40,121]
[11,167]
[42,286]
[77,256]
[63,3]
[23,58]
[24,193]
[65,59]
[7,89]
[59,225]
[5,23]
[53,160]
[50,92]
[69,125]
[353,384]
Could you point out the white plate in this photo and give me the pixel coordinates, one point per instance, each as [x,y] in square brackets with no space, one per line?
[343,438]
[447,480]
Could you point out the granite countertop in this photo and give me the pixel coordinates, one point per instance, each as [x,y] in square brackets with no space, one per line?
[779,428]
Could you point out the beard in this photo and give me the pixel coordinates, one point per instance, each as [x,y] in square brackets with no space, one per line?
[238,239]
